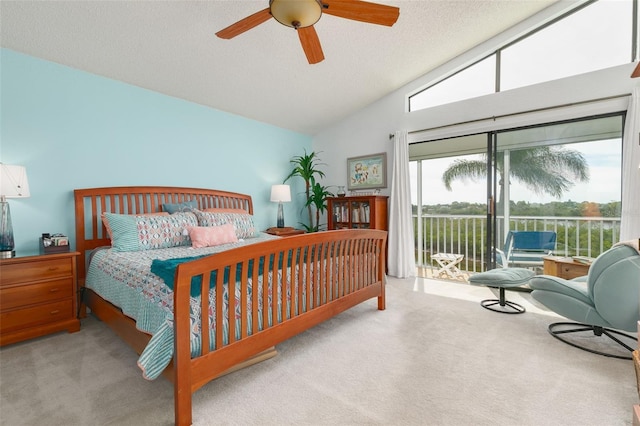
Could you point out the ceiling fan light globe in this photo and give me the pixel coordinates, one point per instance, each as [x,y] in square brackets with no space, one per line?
[296,13]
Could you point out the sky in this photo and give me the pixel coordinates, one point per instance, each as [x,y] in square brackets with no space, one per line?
[603,157]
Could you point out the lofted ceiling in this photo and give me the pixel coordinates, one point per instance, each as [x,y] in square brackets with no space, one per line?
[170,47]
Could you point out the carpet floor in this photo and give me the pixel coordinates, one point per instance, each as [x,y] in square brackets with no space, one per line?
[433,357]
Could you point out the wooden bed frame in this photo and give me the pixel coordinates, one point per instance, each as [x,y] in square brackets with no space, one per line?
[336,269]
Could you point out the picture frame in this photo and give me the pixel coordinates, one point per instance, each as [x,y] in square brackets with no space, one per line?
[367,172]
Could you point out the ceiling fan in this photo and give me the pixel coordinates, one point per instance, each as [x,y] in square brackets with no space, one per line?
[301,15]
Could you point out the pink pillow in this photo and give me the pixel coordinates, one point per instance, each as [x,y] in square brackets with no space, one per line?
[207,236]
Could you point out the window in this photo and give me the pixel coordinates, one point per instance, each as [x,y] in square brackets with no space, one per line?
[593,37]
[476,80]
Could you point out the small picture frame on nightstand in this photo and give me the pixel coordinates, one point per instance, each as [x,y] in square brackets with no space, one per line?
[56,243]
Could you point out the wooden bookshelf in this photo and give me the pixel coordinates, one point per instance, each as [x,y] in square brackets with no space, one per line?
[358,212]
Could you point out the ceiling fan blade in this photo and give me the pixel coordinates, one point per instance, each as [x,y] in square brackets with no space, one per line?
[636,71]
[372,13]
[245,24]
[311,44]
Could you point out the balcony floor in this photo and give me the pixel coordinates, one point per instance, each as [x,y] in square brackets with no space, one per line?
[431,272]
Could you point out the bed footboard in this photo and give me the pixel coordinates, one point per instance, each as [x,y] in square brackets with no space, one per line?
[286,286]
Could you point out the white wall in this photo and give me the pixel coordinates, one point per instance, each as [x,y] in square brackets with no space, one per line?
[367,131]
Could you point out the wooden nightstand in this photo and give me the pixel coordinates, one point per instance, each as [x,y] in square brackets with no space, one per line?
[37,296]
[564,267]
[287,231]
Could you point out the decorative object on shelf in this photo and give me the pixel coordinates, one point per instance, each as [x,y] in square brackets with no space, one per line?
[280,194]
[341,192]
[56,243]
[364,193]
[13,184]
[367,172]
[306,167]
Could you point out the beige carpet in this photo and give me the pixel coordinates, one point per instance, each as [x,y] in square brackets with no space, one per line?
[434,357]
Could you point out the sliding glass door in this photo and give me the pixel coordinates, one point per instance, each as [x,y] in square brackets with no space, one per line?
[449,197]
[558,177]
[563,178]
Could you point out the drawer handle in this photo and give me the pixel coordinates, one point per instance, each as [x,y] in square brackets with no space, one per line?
[54,290]
[53,268]
[57,311]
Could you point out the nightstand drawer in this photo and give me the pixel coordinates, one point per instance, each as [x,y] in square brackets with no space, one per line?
[24,295]
[573,271]
[16,273]
[42,314]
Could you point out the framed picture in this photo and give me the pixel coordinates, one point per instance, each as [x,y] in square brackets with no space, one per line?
[367,172]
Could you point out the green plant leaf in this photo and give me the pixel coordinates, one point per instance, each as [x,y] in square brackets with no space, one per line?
[307,167]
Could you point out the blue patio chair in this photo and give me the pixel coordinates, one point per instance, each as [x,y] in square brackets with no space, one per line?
[526,248]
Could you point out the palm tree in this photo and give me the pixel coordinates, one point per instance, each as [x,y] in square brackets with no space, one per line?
[547,169]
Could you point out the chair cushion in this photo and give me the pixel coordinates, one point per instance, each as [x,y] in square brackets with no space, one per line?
[604,262]
[576,288]
[502,277]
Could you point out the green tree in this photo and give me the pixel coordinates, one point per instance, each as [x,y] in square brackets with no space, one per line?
[544,170]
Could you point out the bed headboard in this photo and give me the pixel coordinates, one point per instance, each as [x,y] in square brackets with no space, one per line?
[90,203]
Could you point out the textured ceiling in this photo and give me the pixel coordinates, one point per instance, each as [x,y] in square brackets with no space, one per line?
[170,47]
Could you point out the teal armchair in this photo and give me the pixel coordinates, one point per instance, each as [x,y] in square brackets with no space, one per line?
[602,304]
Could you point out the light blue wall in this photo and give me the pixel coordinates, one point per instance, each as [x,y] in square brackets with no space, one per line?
[72,129]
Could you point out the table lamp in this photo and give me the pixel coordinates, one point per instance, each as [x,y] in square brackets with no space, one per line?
[13,184]
[280,194]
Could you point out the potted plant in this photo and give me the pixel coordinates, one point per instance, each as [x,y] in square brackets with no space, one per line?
[307,167]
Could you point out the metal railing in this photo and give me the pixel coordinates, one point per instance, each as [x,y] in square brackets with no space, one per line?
[466,234]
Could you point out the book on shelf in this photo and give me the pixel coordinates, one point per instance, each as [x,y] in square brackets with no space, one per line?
[340,214]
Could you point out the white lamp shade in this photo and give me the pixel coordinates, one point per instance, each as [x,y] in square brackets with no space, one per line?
[13,181]
[280,193]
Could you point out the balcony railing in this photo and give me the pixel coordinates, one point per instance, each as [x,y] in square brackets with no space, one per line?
[466,234]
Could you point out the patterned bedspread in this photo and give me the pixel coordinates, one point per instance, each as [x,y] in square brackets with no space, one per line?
[125,279]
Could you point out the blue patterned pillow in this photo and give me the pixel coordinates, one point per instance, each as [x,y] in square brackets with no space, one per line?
[136,233]
[185,206]
[242,222]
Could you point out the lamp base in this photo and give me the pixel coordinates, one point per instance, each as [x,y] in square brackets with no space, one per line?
[7,254]
[280,219]
[7,247]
